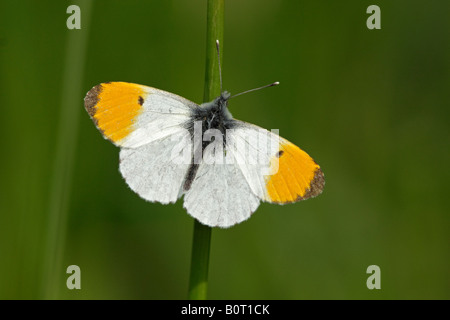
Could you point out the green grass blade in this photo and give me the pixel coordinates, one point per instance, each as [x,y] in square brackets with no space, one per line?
[198,282]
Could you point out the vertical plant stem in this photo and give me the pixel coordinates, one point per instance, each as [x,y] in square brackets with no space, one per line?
[198,282]
[214,31]
[67,132]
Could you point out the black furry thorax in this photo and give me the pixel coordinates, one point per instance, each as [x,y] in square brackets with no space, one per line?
[214,114]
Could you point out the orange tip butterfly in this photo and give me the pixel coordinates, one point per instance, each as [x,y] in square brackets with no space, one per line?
[171,147]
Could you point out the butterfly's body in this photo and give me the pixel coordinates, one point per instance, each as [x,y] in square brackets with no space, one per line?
[212,115]
[153,127]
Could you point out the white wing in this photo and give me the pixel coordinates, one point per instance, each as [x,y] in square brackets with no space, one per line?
[253,148]
[276,170]
[156,171]
[220,196]
[132,115]
[163,114]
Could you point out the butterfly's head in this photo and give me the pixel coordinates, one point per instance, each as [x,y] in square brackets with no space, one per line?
[222,104]
[222,100]
[225,95]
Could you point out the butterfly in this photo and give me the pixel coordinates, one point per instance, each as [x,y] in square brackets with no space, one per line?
[171,147]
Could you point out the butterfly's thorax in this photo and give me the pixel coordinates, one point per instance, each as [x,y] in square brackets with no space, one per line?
[213,115]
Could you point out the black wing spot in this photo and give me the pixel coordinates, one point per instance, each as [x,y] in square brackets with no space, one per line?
[279,153]
[140,100]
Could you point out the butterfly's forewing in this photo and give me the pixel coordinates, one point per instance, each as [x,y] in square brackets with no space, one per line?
[132,115]
[292,176]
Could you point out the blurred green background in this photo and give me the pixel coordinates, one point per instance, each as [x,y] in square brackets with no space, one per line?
[371,107]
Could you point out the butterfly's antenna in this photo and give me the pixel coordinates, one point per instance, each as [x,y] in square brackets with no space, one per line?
[218,59]
[266,86]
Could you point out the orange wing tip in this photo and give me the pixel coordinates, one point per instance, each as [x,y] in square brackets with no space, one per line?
[315,187]
[91,100]
[298,176]
[114,107]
